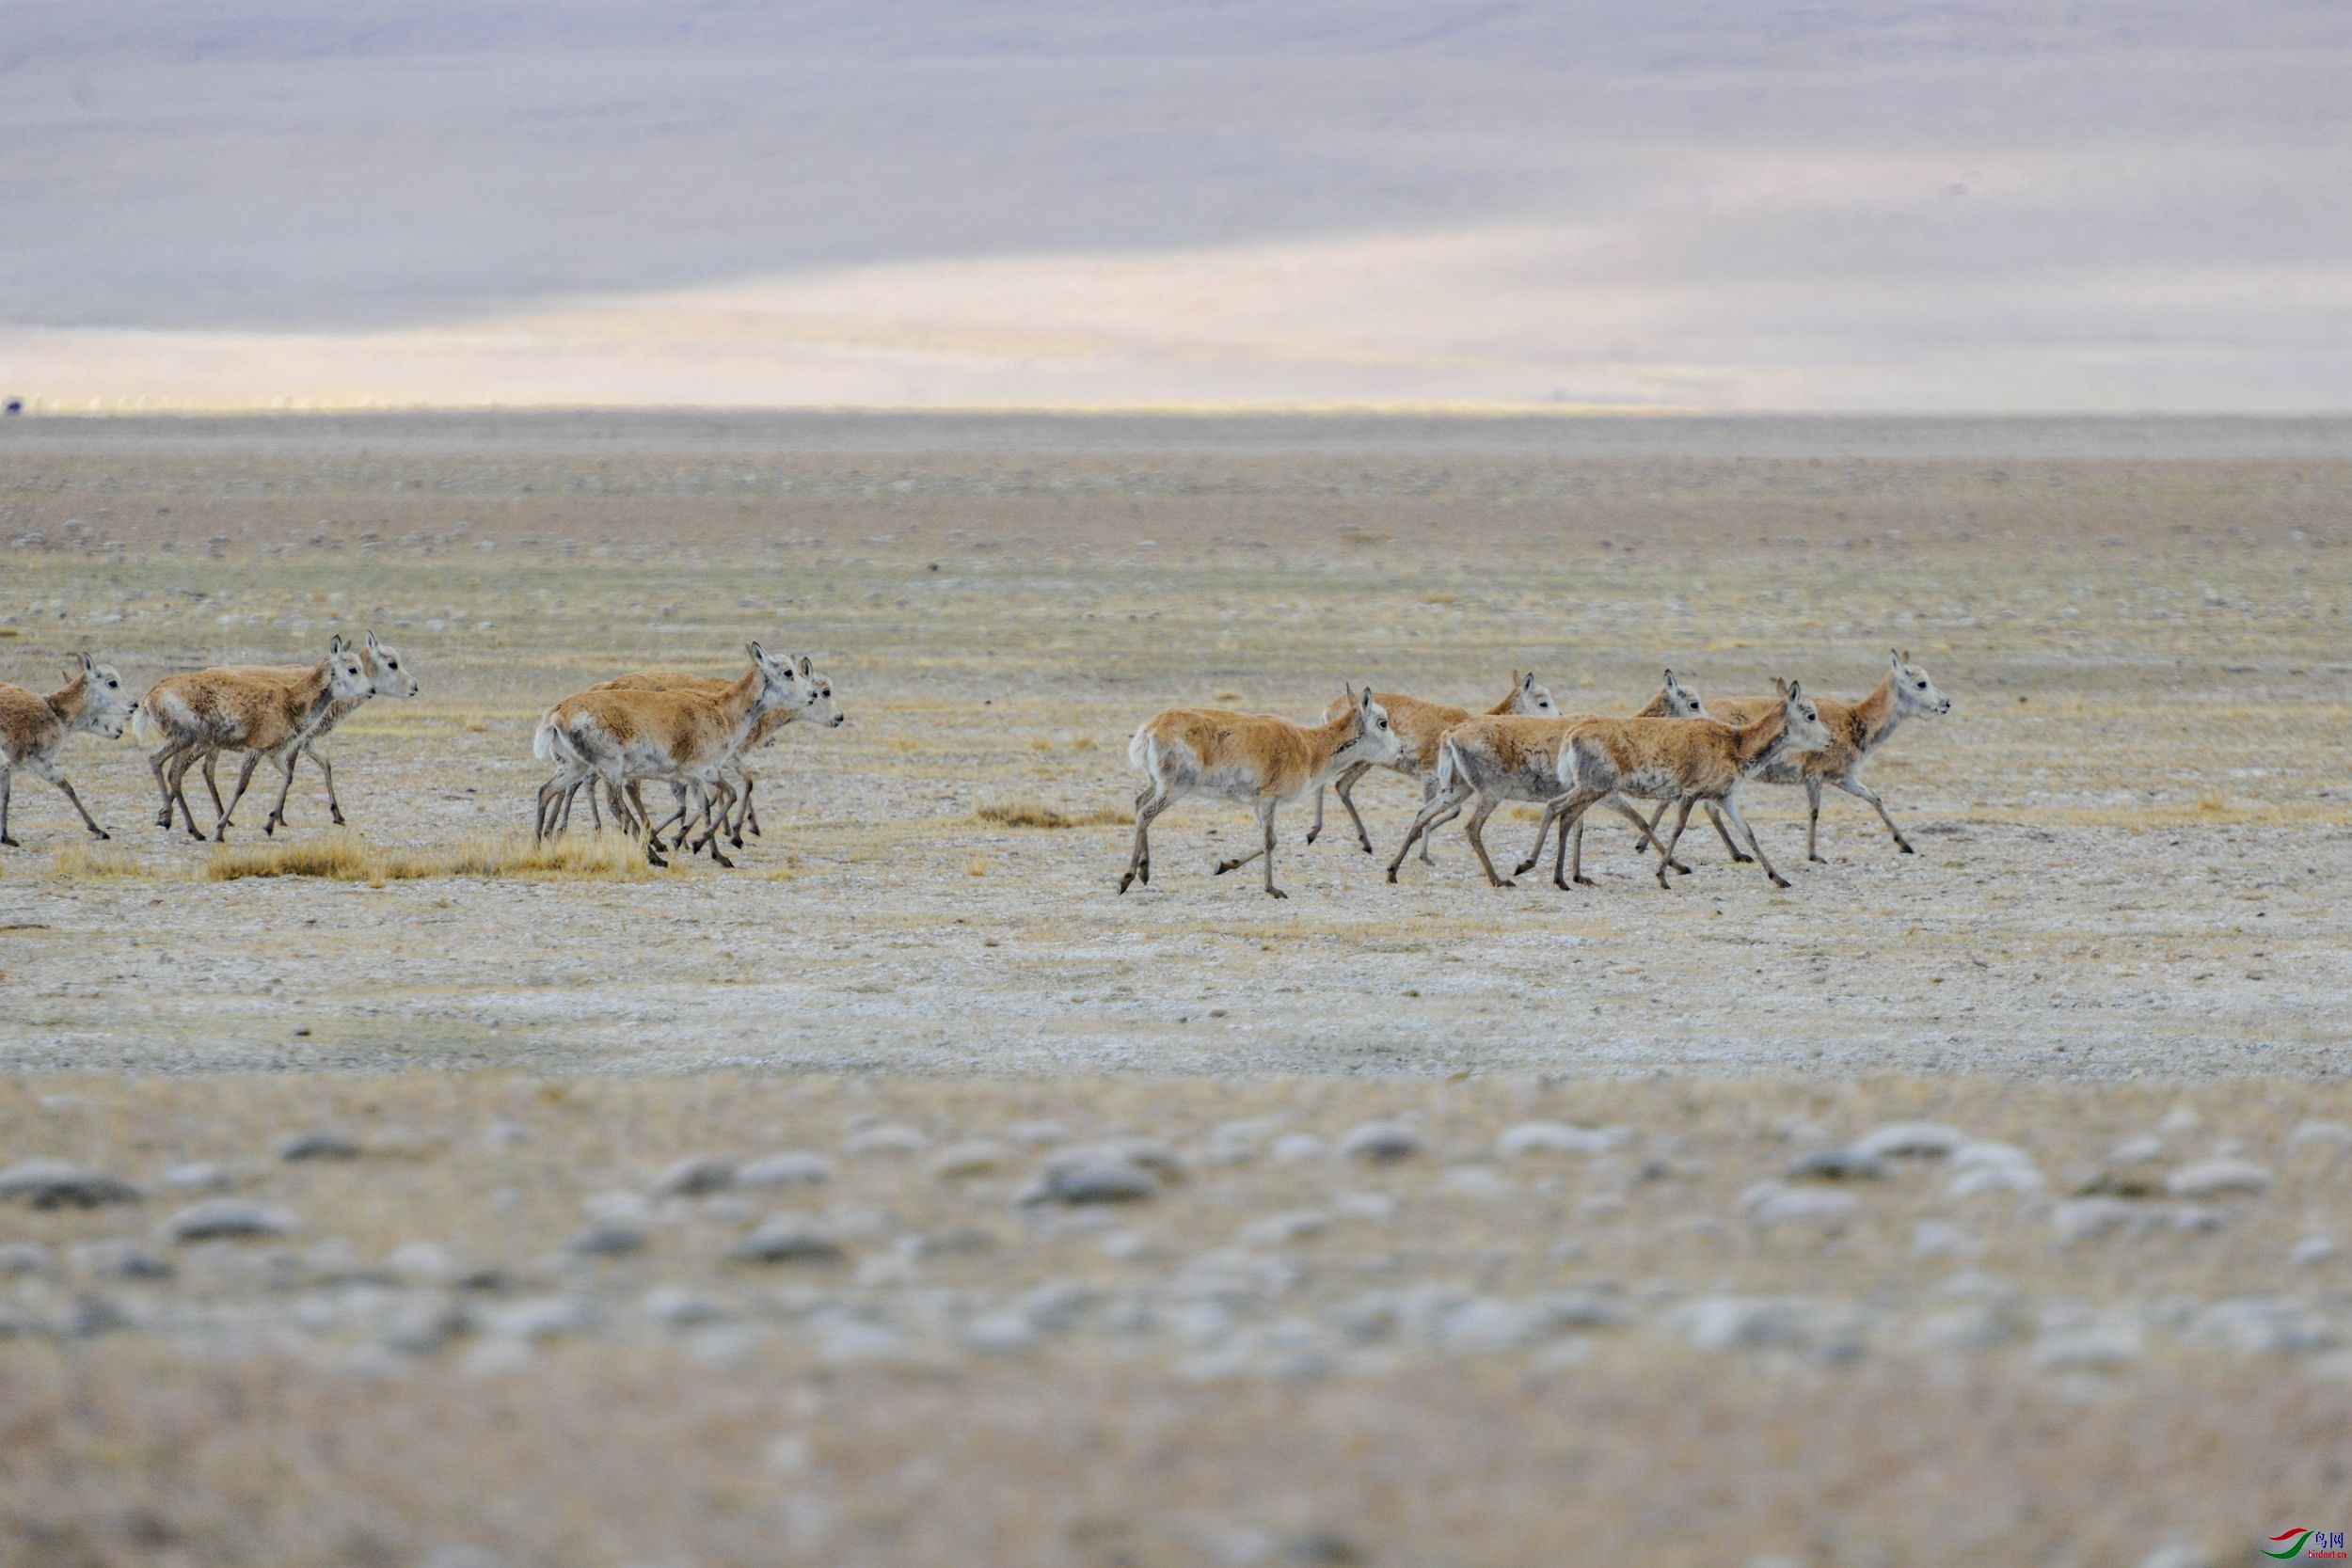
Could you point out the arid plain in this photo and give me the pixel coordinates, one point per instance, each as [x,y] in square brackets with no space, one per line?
[2119,954]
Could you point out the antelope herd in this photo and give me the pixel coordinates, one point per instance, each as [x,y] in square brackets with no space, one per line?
[693,733]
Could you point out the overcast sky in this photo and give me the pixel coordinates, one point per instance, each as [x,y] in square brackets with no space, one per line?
[2128,205]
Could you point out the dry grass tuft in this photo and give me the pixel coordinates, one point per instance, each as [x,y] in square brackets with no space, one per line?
[345,857]
[90,858]
[2212,803]
[1036,814]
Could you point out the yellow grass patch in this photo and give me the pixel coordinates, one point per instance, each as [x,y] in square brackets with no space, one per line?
[97,860]
[1036,814]
[344,857]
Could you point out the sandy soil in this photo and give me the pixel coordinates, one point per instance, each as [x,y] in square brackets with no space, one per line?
[2130,828]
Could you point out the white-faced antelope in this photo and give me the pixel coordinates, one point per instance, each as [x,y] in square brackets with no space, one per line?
[624,736]
[387,677]
[1420,726]
[1253,759]
[822,710]
[1856,730]
[33,729]
[1498,758]
[209,711]
[1690,759]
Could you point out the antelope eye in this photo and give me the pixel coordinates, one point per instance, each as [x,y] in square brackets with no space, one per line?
[1923,685]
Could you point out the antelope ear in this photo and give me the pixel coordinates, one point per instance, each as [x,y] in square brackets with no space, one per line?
[335,646]
[759,654]
[1363,698]
[1670,675]
[1795,690]
[1529,683]
[806,669]
[373,643]
[1905,655]
[1895,658]
[1780,686]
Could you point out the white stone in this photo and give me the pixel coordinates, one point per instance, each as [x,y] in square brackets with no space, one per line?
[794,1167]
[218,1217]
[1382,1142]
[889,1138]
[1299,1146]
[1771,1203]
[1922,1140]
[693,1177]
[1557,1138]
[973,1157]
[2309,1253]
[2218,1178]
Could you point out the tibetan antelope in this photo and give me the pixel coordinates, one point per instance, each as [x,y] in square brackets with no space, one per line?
[1420,727]
[209,711]
[33,728]
[1500,758]
[622,737]
[822,710]
[386,678]
[1252,758]
[1692,759]
[1856,730]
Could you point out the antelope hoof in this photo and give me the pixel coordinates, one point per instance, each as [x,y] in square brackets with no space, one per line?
[1583,880]
[1818,860]
[335,813]
[1505,881]
[737,840]
[1276,892]
[1365,844]
[10,842]
[163,820]
[1679,867]
[721,859]
[1779,880]
[1742,860]
[1525,866]
[1311,834]
[1223,866]
[1127,881]
[1904,845]
[1392,876]
[100,832]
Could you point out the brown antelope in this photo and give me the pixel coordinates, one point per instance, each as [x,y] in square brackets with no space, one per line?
[209,711]
[386,678]
[1690,759]
[1856,730]
[1420,726]
[822,711]
[1500,758]
[622,737]
[33,728]
[1252,758]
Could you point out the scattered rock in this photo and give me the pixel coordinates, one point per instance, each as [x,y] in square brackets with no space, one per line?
[217,1218]
[1940,1239]
[2136,1152]
[1379,1208]
[1382,1143]
[197,1176]
[422,1324]
[849,1340]
[1767,1323]
[1972,1327]
[504,1135]
[889,1138]
[674,1307]
[465,1557]
[1557,1138]
[1837,1165]
[1908,1140]
[2309,1253]
[1770,1203]
[2218,1178]
[618,1208]
[1480,1181]
[1000,1334]
[55,1184]
[2181,1554]
[693,1177]
[608,1239]
[787,1239]
[2261,1325]
[422,1263]
[1037,1134]
[20,1257]
[1991,1167]
[792,1168]
[539,1318]
[1299,1146]
[2321,1135]
[115,1258]
[1282,1229]
[2091,1345]
[973,1157]
[1089,1175]
[319,1144]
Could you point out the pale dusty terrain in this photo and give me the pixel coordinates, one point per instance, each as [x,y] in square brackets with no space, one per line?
[2068,1336]
[2131,828]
